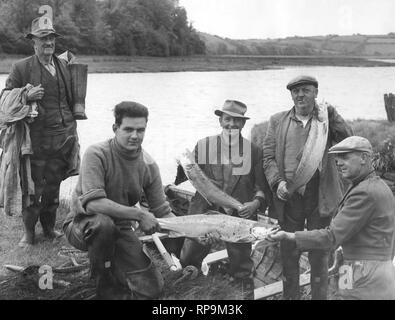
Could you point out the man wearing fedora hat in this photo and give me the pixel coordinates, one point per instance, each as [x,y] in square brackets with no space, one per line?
[53,132]
[234,164]
[313,203]
[364,226]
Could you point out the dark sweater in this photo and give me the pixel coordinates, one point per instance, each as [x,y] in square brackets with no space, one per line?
[108,172]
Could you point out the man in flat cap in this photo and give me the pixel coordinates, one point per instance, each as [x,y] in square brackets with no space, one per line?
[234,164]
[53,132]
[303,177]
[114,173]
[364,226]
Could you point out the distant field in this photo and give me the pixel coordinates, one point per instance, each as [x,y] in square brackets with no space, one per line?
[127,64]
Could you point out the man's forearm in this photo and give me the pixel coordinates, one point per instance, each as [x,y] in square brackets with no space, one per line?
[113,209]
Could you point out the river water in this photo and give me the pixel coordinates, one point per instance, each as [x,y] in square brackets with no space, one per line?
[182,104]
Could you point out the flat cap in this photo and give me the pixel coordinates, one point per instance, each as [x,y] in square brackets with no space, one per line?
[302,79]
[350,144]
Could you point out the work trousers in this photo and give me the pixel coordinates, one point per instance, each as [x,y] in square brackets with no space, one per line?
[49,166]
[302,211]
[116,247]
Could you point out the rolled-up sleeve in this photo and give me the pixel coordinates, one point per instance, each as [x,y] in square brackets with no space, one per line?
[92,177]
[153,190]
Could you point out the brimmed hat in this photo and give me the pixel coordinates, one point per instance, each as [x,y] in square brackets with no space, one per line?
[303,79]
[42,29]
[351,144]
[233,108]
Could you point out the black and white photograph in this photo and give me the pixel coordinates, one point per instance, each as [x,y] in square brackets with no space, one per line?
[201,151]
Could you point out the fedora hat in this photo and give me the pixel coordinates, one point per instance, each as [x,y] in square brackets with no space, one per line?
[233,108]
[41,27]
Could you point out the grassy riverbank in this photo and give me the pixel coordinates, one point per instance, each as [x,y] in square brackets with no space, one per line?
[212,287]
[127,64]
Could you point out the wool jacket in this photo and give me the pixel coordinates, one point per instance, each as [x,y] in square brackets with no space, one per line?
[330,189]
[243,186]
[15,169]
[364,224]
[30,71]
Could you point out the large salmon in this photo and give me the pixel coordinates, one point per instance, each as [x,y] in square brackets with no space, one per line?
[216,225]
[313,151]
[204,186]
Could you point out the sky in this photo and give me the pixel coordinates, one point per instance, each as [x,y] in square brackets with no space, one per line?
[262,19]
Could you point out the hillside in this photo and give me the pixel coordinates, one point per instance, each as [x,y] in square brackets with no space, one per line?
[355,45]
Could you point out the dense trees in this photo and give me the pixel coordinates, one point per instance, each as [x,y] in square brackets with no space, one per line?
[123,27]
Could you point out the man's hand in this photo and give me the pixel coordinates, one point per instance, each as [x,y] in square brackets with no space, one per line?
[282,235]
[35,93]
[282,191]
[249,208]
[148,223]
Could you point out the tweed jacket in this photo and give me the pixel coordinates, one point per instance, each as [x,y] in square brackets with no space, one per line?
[243,187]
[330,189]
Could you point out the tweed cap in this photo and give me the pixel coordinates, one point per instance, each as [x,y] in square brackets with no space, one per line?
[233,108]
[351,144]
[302,79]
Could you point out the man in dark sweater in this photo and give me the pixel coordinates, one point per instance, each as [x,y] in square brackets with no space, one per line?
[53,132]
[364,226]
[113,176]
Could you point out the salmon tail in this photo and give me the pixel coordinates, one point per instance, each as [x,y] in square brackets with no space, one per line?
[189,155]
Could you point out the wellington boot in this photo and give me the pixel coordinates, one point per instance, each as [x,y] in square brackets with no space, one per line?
[107,287]
[30,217]
[52,234]
[27,240]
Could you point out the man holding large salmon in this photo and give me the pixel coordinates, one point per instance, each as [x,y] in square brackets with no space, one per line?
[234,165]
[303,177]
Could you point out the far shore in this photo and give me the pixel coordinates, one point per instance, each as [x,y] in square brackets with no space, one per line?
[138,64]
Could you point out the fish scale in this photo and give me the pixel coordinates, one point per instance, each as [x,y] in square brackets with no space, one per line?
[207,189]
[217,225]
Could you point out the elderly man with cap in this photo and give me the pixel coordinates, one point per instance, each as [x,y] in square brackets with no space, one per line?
[234,164]
[53,132]
[293,138]
[364,226]
[114,173]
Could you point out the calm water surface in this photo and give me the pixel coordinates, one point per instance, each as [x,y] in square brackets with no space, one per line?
[181,104]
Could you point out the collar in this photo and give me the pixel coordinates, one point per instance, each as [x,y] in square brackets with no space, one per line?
[126,154]
[51,62]
[366,176]
[314,113]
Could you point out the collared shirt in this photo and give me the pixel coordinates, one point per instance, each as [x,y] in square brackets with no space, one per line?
[50,66]
[294,144]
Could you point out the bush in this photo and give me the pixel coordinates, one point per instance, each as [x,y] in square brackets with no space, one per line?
[380,133]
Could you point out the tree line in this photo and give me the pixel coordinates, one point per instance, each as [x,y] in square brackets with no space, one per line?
[109,27]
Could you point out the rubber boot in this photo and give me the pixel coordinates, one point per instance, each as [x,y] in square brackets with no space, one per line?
[48,220]
[30,217]
[107,287]
[146,283]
